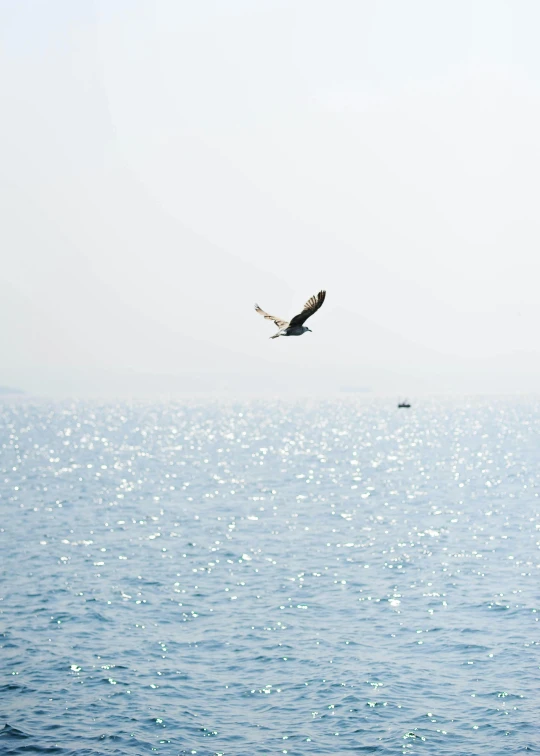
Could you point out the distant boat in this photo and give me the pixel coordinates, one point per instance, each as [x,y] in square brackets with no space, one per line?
[8,391]
[404,404]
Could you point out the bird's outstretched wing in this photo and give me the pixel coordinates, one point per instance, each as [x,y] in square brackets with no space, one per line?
[278,321]
[311,306]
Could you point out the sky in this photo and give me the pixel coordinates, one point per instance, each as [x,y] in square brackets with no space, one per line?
[166,164]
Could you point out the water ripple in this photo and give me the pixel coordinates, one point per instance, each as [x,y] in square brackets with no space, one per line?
[231,578]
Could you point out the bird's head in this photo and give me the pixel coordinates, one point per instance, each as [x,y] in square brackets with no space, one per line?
[308,329]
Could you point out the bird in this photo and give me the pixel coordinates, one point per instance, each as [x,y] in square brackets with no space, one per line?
[295,327]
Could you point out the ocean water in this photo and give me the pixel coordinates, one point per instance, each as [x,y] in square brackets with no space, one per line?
[270,577]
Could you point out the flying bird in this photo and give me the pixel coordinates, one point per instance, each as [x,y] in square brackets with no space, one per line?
[295,327]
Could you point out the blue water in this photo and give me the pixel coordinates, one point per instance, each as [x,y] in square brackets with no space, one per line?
[311,577]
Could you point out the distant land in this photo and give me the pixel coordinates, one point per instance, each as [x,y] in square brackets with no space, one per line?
[8,390]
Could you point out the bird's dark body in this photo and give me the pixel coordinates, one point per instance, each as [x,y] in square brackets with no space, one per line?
[291,331]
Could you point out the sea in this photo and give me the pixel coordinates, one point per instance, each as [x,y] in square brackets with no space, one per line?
[270,576]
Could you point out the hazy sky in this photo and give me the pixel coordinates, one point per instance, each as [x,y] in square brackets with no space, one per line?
[166,164]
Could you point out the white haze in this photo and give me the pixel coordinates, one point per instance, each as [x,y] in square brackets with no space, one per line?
[167,164]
